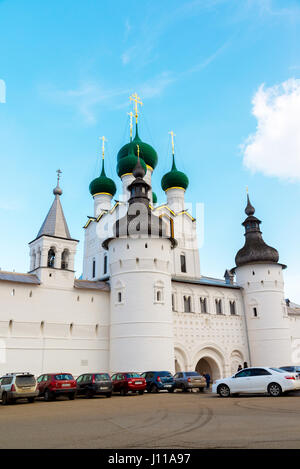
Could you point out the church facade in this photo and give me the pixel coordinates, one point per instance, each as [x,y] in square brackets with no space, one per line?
[142,302]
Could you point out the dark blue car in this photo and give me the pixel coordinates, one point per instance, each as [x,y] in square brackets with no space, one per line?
[159,381]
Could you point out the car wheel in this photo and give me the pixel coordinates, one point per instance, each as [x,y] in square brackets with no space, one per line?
[171,390]
[89,394]
[48,395]
[201,389]
[5,399]
[123,392]
[141,393]
[71,396]
[274,390]
[31,400]
[223,390]
[108,394]
[154,388]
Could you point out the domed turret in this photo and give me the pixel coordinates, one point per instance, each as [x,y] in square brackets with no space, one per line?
[147,152]
[174,179]
[103,184]
[255,249]
[127,163]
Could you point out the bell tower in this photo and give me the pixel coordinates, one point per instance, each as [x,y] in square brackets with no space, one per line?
[53,250]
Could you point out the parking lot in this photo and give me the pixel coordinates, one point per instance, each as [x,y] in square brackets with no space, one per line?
[179,420]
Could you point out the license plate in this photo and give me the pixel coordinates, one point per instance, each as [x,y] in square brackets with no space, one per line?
[103,387]
[66,385]
[168,385]
[138,382]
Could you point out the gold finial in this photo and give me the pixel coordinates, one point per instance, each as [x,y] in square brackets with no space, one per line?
[131,116]
[103,145]
[246,189]
[138,151]
[172,137]
[137,100]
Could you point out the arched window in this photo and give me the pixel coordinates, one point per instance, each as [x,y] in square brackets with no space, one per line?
[203,305]
[219,309]
[51,258]
[232,308]
[65,259]
[187,304]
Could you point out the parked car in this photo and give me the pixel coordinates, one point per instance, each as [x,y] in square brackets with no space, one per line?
[291,369]
[128,382]
[187,380]
[273,381]
[159,381]
[91,384]
[15,386]
[52,385]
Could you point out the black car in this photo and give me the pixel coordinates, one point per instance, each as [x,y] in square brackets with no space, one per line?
[91,384]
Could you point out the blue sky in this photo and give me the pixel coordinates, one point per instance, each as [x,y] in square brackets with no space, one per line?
[223,74]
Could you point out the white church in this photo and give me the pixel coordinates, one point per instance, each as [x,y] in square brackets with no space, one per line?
[142,302]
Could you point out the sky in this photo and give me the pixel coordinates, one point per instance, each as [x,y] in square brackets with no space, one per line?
[224,75]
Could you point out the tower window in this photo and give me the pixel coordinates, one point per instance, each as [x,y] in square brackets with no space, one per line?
[232,307]
[158,295]
[51,258]
[173,302]
[187,304]
[105,265]
[119,297]
[255,312]
[65,259]
[203,305]
[183,263]
[94,268]
[219,306]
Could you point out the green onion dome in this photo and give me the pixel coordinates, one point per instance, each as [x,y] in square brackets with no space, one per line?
[103,184]
[174,178]
[147,153]
[127,163]
[154,197]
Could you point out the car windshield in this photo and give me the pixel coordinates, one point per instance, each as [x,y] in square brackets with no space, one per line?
[192,373]
[102,377]
[63,377]
[25,380]
[279,370]
[164,373]
[132,375]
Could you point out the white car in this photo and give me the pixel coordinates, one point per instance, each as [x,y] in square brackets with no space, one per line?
[257,380]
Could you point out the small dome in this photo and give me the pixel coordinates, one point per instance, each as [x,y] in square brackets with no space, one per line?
[128,163]
[103,184]
[174,178]
[147,153]
[154,197]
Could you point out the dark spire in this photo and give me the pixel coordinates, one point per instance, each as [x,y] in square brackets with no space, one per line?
[255,249]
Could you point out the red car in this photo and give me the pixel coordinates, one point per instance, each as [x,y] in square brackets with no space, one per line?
[128,382]
[52,385]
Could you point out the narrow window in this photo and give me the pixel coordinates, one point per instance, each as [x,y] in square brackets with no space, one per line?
[232,308]
[65,259]
[105,265]
[173,302]
[94,268]
[255,312]
[219,306]
[187,304]
[51,258]
[183,263]
[119,297]
[203,304]
[158,295]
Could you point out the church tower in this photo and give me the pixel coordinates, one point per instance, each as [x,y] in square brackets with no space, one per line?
[53,251]
[260,275]
[141,328]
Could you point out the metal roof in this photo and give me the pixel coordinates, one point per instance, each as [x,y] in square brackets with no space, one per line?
[91,285]
[208,281]
[55,223]
[19,278]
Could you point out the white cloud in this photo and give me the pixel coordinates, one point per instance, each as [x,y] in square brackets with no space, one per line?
[274,149]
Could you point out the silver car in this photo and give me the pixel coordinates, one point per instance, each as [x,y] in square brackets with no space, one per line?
[187,380]
[15,386]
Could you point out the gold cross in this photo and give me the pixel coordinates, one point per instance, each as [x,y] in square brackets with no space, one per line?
[172,137]
[138,151]
[103,145]
[137,100]
[131,116]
